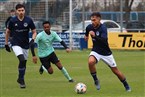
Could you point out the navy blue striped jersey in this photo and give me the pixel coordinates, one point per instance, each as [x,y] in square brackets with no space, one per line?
[100,41]
[20,31]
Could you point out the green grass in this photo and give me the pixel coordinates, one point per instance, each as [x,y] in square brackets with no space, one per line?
[131,63]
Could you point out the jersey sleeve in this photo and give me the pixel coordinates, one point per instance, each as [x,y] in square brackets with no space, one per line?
[87,31]
[57,37]
[32,25]
[104,34]
[7,21]
[10,25]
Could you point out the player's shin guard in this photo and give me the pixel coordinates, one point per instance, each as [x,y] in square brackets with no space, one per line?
[94,76]
[65,73]
[22,68]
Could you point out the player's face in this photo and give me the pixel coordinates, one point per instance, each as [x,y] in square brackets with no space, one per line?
[95,21]
[20,12]
[12,13]
[46,28]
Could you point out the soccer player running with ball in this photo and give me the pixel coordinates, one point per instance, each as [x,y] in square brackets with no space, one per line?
[101,50]
[46,52]
[20,26]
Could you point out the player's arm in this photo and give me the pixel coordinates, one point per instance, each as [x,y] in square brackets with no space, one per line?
[32,45]
[65,46]
[102,38]
[62,42]
[6,23]
[7,34]
[57,38]
[86,33]
[34,33]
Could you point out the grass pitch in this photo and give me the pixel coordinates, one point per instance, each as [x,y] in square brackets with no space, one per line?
[130,63]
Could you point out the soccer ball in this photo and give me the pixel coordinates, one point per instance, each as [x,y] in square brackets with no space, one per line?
[80,88]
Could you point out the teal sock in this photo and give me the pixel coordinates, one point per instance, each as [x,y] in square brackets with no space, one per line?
[65,73]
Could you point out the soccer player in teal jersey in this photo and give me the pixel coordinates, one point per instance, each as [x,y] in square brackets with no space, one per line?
[46,52]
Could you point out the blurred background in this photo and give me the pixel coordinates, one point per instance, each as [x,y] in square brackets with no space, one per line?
[70,17]
[124,12]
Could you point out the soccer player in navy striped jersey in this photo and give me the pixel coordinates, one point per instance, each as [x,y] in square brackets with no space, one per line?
[20,25]
[101,50]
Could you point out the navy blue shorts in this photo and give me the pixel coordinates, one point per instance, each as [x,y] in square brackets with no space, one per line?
[46,61]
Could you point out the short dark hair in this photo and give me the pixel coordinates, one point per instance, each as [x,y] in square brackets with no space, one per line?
[46,22]
[97,14]
[12,10]
[20,6]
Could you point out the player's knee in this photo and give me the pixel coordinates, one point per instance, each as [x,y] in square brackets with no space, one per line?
[50,72]
[91,63]
[22,64]
[59,65]
[21,57]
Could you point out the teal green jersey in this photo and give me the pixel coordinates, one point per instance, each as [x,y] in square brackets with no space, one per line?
[44,43]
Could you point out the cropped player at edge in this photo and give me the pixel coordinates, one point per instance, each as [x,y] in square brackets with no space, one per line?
[101,50]
[46,52]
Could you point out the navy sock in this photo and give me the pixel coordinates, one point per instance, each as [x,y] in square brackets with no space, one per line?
[124,82]
[21,66]
[94,76]
[21,73]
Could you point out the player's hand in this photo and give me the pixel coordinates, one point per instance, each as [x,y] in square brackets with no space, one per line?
[92,33]
[34,58]
[7,48]
[68,50]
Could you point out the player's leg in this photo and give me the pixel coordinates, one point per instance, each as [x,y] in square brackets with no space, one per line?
[54,59]
[121,77]
[112,64]
[50,69]
[22,57]
[42,69]
[21,69]
[93,59]
[64,71]
[45,65]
